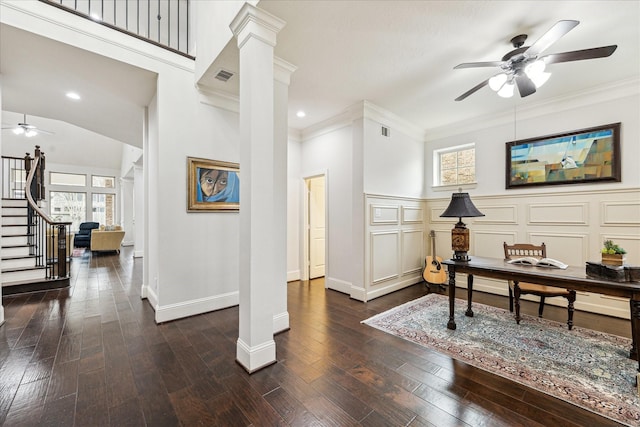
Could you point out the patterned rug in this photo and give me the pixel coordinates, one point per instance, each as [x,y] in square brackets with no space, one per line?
[587,368]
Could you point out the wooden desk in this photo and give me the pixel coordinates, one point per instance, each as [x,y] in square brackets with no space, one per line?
[571,278]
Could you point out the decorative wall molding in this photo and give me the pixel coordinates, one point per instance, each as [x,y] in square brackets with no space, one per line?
[412,242]
[558,213]
[507,214]
[412,215]
[384,214]
[384,256]
[620,214]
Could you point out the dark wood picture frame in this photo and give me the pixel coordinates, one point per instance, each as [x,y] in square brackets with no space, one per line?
[580,156]
[212,185]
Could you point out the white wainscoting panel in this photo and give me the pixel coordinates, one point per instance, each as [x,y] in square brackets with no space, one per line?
[558,213]
[384,256]
[490,243]
[620,213]
[498,215]
[394,246]
[411,250]
[384,214]
[572,249]
[412,215]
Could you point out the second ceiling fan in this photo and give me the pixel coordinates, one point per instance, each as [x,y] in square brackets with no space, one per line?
[524,67]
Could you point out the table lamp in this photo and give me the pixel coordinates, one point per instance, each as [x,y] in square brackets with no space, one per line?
[460,206]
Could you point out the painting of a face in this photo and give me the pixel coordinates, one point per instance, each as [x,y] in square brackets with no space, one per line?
[212,181]
[213,185]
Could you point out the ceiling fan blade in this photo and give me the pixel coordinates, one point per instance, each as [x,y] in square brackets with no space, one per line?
[478,64]
[472,90]
[46,132]
[525,86]
[579,55]
[550,37]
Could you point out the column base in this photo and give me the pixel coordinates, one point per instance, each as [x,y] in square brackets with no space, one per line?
[256,358]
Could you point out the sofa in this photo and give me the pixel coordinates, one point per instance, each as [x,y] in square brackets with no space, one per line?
[52,244]
[106,239]
[82,238]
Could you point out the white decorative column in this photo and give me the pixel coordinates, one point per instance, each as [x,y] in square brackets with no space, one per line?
[282,74]
[126,210]
[138,211]
[255,31]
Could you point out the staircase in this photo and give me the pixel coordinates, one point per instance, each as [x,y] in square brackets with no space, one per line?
[17,257]
[34,250]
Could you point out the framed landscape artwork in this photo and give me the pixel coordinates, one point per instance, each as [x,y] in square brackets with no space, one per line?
[583,156]
[212,185]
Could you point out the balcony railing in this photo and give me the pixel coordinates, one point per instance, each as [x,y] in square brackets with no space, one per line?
[164,23]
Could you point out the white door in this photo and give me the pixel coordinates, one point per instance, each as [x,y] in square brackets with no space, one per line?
[316,227]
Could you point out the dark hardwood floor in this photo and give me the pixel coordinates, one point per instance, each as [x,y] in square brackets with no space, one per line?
[92,355]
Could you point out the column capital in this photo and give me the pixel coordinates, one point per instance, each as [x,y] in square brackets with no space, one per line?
[282,70]
[252,22]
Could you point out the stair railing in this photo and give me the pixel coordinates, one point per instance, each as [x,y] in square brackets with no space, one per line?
[50,241]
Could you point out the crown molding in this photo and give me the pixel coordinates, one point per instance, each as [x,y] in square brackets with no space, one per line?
[391,120]
[595,95]
[215,98]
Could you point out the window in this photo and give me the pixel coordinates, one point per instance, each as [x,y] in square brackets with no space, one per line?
[103,207]
[59,178]
[68,207]
[455,165]
[103,181]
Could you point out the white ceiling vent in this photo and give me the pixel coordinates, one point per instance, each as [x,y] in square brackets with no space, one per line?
[223,75]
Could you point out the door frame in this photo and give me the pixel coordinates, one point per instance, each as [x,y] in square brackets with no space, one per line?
[305,225]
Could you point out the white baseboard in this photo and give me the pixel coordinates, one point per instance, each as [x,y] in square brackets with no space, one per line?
[1,315]
[255,358]
[293,275]
[143,292]
[280,322]
[193,307]
[378,292]
[337,285]
[138,254]
[128,243]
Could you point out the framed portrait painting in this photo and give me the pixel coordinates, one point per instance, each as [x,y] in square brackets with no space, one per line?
[212,185]
[581,156]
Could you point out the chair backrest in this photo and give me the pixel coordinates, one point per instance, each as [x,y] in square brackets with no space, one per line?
[524,249]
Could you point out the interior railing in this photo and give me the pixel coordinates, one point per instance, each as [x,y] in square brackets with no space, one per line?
[50,242]
[165,23]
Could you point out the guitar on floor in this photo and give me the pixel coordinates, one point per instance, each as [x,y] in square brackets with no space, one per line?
[433,272]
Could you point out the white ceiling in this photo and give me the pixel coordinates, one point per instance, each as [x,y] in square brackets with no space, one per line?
[397,54]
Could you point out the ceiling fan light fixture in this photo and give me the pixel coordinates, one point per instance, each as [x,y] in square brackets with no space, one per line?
[507,90]
[19,130]
[496,82]
[540,79]
[30,132]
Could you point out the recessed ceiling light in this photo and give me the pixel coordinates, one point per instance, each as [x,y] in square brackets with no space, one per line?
[73,95]
[301,114]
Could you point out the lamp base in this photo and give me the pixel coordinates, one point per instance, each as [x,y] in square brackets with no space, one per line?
[461,256]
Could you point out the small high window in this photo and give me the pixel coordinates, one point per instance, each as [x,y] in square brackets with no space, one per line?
[73,179]
[103,181]
[454,165]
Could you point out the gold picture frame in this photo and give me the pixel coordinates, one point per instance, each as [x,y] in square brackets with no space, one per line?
[212,185]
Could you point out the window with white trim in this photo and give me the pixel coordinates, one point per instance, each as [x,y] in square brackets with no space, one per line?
[454,165]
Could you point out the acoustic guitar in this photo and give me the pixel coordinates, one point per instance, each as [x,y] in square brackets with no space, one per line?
[433,272]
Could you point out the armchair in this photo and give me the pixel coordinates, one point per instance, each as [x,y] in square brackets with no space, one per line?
[82,238]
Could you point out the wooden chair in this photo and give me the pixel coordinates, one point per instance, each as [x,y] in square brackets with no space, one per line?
[521,288]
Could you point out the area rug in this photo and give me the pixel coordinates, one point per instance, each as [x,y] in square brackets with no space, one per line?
[587,368]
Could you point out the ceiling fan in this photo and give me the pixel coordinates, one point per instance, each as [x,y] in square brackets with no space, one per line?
[524,67]
[25,129]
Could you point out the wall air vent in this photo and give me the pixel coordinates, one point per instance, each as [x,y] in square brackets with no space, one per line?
[223,75]
[385,131]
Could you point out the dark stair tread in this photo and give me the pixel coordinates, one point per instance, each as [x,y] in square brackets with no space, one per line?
[15,216]
[28,245]
[17,235]
[22,286]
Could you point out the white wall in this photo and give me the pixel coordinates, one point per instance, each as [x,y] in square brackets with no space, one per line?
[294,209]
[331,153]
